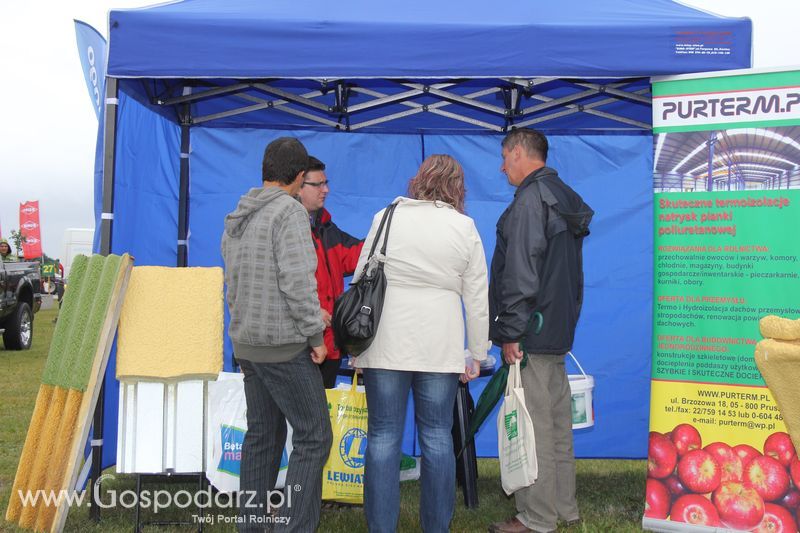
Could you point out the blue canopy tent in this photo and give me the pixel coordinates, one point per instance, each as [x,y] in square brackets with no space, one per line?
[196,89]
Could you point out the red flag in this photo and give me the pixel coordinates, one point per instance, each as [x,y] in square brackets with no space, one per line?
[29,227]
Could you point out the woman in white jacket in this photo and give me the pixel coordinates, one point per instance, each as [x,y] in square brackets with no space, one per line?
[434,264]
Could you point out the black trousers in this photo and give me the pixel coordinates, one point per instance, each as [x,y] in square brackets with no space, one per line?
[277,393]
[329,370]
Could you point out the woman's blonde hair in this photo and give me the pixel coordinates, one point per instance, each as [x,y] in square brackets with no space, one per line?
[439,178]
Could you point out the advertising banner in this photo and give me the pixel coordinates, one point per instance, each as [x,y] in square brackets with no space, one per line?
[726,246]
[30,229]
[92,53]
[92,50]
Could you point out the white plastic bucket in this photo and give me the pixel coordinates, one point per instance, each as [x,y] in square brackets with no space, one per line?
[581,386]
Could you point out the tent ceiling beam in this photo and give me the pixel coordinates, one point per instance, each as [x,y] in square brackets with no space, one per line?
[594,90]
[393,98]
[464,100]
[261,103]
[432,108]
[589,109]
[309,116]
[337,113]
[611,89]
[286,95]
[529,83]
[556,102]
[210,93]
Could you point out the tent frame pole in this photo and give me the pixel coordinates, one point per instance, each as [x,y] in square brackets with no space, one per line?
[106,225]
[183,191]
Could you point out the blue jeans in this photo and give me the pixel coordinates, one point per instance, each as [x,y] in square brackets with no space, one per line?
[387,398]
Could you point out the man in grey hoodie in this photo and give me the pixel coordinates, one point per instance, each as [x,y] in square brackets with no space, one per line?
[276,328]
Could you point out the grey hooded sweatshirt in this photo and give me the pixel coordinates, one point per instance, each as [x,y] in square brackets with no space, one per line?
[269,270]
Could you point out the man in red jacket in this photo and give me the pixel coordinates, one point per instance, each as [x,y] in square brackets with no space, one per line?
[337,256]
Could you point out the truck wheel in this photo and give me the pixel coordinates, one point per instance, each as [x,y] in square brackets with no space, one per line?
[19,328]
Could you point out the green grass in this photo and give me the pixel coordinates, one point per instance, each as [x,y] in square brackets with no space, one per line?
[610,492]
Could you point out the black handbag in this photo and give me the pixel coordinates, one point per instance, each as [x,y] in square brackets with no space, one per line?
[357,312]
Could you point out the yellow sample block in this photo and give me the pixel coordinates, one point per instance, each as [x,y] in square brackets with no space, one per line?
[779,363]
[171,324]
[775,327]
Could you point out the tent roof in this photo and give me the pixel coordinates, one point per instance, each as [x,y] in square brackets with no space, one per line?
[422,38]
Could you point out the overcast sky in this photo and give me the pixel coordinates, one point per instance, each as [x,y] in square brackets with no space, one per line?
[48,127]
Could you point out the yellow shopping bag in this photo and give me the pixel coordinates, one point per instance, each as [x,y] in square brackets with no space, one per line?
[343,475]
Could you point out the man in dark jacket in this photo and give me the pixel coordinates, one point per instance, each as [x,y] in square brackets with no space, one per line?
[337,256]
[535,298]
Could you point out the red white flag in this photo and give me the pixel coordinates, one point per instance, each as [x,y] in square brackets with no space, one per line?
[30,229]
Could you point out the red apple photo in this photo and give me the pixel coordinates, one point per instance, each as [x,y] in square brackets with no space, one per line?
[776,520]
[779,446]
[746,453]
[768,477]
[661,456]
[694,509]
[792,499]
[794,470]
[739,505]
[699,471]
[730,464]
[674,486]
[686,438]
[657,500]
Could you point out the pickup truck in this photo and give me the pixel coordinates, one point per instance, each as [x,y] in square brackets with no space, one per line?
[20,298]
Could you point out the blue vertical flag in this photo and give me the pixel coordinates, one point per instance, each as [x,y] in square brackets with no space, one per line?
[92,52]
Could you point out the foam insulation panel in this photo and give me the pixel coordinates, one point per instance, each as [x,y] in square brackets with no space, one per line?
[76,363]
[161,427]
[171,325]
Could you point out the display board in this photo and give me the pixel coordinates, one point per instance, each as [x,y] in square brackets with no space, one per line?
[726,213]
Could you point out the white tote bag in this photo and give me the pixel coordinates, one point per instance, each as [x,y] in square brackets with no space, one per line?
[516,446]
[226,425]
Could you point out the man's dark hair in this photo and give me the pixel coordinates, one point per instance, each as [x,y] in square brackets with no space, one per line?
[284,158]
[533,142]
[314,164]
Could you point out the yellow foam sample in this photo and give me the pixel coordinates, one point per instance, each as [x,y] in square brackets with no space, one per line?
[171,324]
[775,327]
[779,363]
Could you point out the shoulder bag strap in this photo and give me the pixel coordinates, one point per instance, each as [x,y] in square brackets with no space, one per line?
[386,215]
[391,209]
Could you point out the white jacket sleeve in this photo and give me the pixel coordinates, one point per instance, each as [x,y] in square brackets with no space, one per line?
[475,295]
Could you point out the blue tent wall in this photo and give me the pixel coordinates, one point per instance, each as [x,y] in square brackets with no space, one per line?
[367,170]
[145,215]
[613,174]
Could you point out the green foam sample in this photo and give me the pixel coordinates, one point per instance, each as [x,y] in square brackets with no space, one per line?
[80,367]
[75,345]
[66,315]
